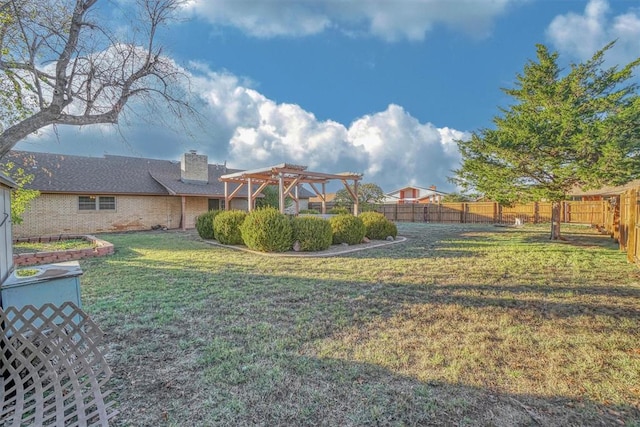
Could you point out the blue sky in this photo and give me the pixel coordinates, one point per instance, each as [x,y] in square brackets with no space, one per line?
[380,87]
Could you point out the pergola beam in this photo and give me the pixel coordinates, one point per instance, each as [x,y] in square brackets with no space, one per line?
[288,178]
[323,196]
[255,194]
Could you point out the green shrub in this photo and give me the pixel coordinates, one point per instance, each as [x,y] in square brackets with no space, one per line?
[313,233]
[309,211]
[204,224]
[377,226]
[226,227]
[339,211]
[347,228]
[267,230]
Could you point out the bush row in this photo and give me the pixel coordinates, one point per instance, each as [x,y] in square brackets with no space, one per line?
[268,230]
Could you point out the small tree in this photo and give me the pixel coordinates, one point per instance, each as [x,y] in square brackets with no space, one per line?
[369,196]
[272,198]
[579,129]
[20,196]
[458,198]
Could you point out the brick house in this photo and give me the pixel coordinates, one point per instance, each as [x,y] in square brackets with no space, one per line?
[116,193]
[413,194]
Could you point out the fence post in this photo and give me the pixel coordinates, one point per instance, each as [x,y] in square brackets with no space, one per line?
[631,226]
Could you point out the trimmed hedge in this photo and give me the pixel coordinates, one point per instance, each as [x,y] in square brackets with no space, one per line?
[377,226]
[267,230]
[226,227]
[313,233]
[204,224]
[309,211]
[347,228]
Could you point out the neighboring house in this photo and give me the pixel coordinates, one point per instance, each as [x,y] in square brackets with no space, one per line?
[604,192]
[116,193]
[315,202]
[413,194]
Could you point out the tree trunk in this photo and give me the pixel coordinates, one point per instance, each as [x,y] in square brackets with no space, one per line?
[555,220]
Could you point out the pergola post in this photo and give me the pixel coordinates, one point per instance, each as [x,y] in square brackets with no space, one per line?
[281,192]
[226,195]
[288,178]
[250,194]
[355,200]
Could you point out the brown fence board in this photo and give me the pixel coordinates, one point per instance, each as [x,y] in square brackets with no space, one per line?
[617,215]
[589,212]
[492,213]
[480,212]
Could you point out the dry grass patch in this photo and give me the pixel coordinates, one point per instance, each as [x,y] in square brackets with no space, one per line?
[460,325]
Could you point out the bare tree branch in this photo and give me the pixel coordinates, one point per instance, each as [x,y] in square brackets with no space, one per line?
[63,67]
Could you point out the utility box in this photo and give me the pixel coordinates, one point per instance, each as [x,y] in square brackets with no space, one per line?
[6,244]
[51,283]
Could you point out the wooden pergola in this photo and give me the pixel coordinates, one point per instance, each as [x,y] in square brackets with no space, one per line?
[288,178]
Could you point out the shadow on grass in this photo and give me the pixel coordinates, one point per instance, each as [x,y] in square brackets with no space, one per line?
[232,348]
[199,341]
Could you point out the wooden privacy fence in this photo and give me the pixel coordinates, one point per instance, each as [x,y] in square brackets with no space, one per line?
[622,223]
[578,212]
[617,215]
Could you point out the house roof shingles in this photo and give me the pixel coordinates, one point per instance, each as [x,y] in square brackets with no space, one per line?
[606,191]
[62,173]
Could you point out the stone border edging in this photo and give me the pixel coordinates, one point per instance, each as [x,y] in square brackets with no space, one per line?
[101,248]
[327,253]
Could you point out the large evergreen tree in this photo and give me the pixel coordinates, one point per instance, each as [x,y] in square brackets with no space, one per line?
[580,128]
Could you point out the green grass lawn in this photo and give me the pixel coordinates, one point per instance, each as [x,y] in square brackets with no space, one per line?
[460,325]
[60,245]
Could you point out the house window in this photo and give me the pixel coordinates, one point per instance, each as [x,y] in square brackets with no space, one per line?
[107,203]
[87,203]
[96,203]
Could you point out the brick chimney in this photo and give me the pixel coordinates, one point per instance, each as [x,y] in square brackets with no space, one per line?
[194,168]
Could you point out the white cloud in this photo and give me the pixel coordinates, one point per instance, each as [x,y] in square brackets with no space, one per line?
[264,18]
[402,151]
[389,20]
[581,35]
[248,130]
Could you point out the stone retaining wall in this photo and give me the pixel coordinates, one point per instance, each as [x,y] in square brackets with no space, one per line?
[101,248]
